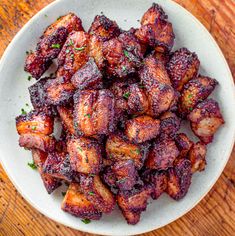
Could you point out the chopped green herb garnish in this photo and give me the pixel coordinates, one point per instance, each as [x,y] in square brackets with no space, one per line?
[190,108]
[120,181]
[76,124]
[126,53]
[141,86]
[80,49]
[88,115]
[91,193]
[34,127]
[29,77]
[87,161]
[126,95]
[190,95]
[72,56]
[91,175]
[46,15]
[59,17]
[79,149]
[26,104]
[124,68]
[32,165]
[57,45]
[70,43]
[86,221]
[67,51]
[63,193]
[23,112]
[138,151]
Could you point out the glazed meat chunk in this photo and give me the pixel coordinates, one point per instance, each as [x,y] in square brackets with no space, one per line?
[162,155]
[195,91]
[162,57]
[94,112]
[78,205]
[142,128]
[88,77]
[184,144]
[179,179]
[182,67]
[96,192]
[85,155]
[50,44]
[205,120]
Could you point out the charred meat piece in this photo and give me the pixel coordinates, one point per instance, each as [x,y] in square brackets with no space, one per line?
[88,77]
[162,155]
[125,173]
[77,204]
[197,156]
[96,192]
[195,91]
[184,144]
[182,67]
[108,177]
[85,155]
[169,125]
[50,44]
[58,91]
[205,120]
[50,183]
[132,203]
[179,179]
[142,128]
[162,57]
[73,55]
[94,112]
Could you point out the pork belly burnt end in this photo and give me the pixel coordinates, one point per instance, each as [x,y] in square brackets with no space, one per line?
[179,179]
[94,112]
[182,67]
[132,203]
[96,192]
[50,44]
[184,144]
[195,91]
[162,155]
[78,205]
[205,120]
[50,183]
[142,128]
[85,155]
[88,77]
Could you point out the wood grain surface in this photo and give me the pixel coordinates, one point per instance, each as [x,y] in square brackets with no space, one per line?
[213,216]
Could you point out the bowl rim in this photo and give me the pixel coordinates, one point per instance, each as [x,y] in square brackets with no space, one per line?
[229,149]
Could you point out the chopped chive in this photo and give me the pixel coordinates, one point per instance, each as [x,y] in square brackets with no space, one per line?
[138,151]
[26,104]
[72,56]
[120,181]
[23,112]
[86,221]
[59,17]
[190,108]
[29,77]
[126,53]
[70,43]
[91,193]
[67,51]
[57,45]
[46,15]
[88,115]
[34,127]
[63,193]
[126,95]
[123,68]
[32,165]
[80,49]
[79,149]
[76,124]
[91,175]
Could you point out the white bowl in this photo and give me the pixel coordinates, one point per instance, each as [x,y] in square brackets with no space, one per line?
[14,95]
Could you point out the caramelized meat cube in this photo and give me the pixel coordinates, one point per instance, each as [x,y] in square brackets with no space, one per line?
[104,28]
[169,125]
[34,122]
[182,67]
[94,112]
[88,77]
[142,128]
[132,203]
[179,179]
[162,57]
[50,44]
[96,192]
[58,91]
[184,144]
[66,115]
[50,183]
[205,120]
[85,155]
[57,165]
[108,176]
[137,100]
[197,156]
[73,55]
[195,91]
[125,173]
[117,148]
[77,204]
[162,155]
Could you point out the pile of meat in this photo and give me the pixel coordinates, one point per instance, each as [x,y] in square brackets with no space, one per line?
[120,96]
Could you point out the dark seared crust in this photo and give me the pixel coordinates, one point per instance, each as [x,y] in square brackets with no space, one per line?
[183,143]
[34,122]
[179,179]
[50,183]
[132,203]
[58,91]
[205,119]
[142,128]
[88,77]
[94,112]
[125,173]
[182,67]
[162,57]
[195,91]
[78,205]
[162,155]
[57,165]
[170,124]
[85,155]
[104,28]
[96,192]
[197,156]
[73,55]
[108,176]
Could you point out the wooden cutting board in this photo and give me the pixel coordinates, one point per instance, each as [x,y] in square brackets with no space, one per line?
[213,216]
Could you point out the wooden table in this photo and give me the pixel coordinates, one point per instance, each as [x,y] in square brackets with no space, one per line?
[213,216]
